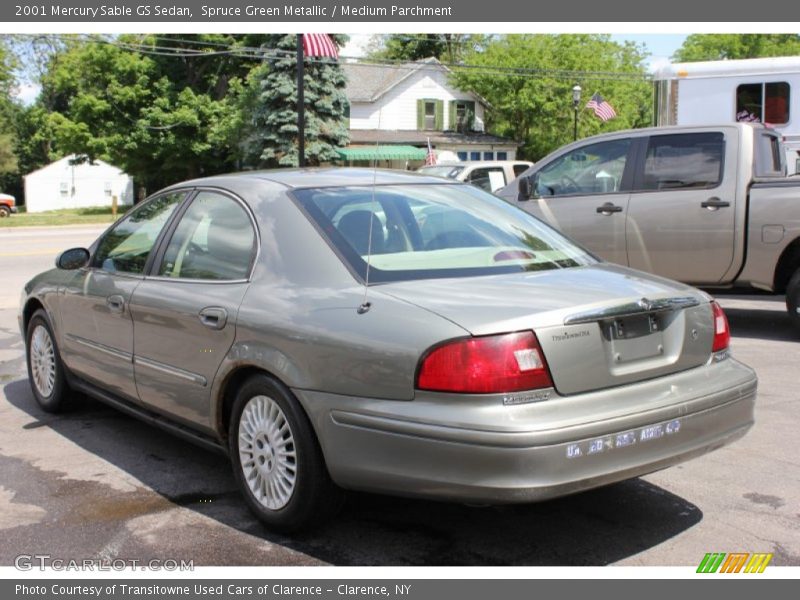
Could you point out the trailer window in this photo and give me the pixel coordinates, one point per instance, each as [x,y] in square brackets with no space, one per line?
[766,103]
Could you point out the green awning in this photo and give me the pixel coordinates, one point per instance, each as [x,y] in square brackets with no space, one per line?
[382,153]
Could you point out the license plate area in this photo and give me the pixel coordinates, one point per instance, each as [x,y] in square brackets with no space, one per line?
[634,337]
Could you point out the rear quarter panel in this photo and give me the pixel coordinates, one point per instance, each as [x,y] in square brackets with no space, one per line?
[774,225]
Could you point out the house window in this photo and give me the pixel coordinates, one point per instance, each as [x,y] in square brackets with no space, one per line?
[474,155]
[430,114]
[763,103]
[462,115]
[64,188]
[488,156]
[107,188]
[502,156]
[462,155]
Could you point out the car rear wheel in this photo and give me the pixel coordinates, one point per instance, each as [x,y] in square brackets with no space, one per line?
[793,298]
[277,461]
[45,369]
[4,211]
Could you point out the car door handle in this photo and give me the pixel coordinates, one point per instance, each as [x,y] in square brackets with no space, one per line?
[213,317]
[608,208]
[715,203]
[116,303]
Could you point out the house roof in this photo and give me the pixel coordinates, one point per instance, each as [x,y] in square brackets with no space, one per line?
[368,82]
[412,137]
[77,161]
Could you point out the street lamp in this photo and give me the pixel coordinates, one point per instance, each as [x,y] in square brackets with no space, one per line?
[576,100]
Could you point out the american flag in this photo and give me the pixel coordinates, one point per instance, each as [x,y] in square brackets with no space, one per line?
[430,157]
[319,44]
[602,109]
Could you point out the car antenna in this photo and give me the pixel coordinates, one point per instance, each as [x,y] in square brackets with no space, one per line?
[366,304]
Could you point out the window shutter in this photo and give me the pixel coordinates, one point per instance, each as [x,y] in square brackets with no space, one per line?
[438,123]
[451,115]
[420,114]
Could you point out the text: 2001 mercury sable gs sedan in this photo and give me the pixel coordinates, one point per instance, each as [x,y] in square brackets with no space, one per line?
[488,359]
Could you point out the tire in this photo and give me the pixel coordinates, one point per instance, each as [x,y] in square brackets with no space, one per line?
[267,424]
[46,372]
[4,211]
[793,298]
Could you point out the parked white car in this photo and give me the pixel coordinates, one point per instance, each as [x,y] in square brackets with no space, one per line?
[490,175]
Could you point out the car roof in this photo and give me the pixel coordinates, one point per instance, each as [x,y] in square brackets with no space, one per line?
[320,177]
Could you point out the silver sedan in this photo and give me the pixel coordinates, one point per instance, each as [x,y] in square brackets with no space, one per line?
[356,329]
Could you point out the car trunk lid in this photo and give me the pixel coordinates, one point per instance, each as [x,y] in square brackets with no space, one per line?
[598,326]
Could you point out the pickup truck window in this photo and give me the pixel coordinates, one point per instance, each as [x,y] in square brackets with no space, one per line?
[769,156]
[488,178]
[692,160]
[763,103]
[594,169]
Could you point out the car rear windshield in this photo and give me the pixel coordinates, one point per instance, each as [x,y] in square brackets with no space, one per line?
[426,231]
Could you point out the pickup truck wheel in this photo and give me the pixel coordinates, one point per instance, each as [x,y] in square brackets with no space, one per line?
[277,461]
[4,211]
[793,298]
[45,369]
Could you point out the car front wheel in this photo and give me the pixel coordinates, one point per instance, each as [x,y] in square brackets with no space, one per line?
[277,461]
[45,369]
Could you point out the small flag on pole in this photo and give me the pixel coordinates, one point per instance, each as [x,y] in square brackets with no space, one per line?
[430,157]
[319,44]
[602,109]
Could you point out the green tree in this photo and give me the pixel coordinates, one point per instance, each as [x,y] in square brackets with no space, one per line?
[528,79]
[9,109]
[447,47]
[152,105]
[270,107]
[719,46]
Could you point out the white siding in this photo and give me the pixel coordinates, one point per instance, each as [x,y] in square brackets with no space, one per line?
[702,101]
[62,185]
[397,109]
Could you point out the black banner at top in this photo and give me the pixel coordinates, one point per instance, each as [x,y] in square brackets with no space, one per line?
[421,11]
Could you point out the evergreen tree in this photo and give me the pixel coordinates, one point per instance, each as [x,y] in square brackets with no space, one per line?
[272,106]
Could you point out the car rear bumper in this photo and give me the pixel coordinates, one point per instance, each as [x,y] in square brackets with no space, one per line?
[499,454]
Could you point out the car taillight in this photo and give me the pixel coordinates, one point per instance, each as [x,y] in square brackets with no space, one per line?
[511,362]
[722,332]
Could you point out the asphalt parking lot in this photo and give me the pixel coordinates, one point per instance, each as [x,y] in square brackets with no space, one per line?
[94,483]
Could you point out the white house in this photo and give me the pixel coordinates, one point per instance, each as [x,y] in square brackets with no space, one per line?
[67,184]
[395,109]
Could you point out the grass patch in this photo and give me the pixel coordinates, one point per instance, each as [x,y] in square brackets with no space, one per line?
[68,216]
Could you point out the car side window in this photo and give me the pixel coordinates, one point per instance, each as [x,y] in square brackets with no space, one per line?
[488,178]
[214,240]
[687,160]
[125,248]
[593,169]
[520,169]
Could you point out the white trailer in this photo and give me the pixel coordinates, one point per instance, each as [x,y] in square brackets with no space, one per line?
[763,90]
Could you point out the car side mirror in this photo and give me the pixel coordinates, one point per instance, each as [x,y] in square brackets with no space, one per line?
[529,188]
[524,187]
[72,259]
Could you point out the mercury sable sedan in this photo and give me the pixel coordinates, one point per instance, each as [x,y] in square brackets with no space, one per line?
[356,329]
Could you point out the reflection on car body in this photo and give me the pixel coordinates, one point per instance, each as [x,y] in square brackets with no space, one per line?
[493,362]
